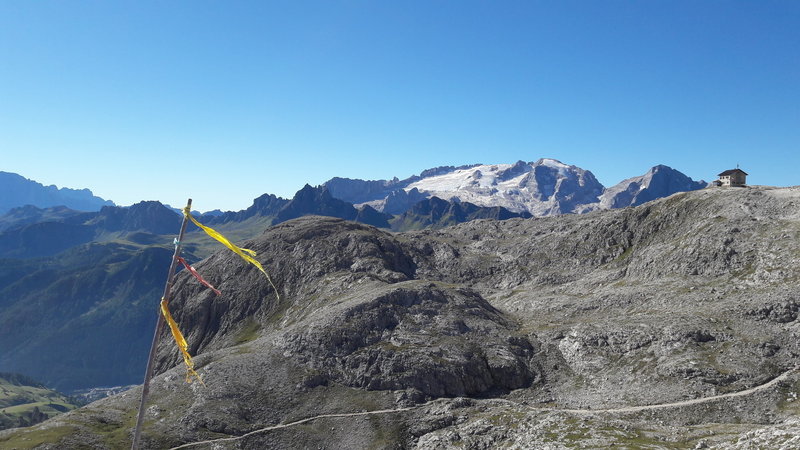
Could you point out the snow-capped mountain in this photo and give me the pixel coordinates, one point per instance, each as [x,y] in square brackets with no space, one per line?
[541,188]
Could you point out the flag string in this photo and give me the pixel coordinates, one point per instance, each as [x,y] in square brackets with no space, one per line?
[244,253]
[199,278]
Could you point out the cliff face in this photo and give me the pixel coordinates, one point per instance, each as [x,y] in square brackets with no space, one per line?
[615,328]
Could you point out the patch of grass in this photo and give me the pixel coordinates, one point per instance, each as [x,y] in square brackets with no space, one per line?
[117,435]
[49,408]
[31,438]
[243,350]
[747,271]
[625,254]
[248,332]
[639,439]
[575,433]
[385,436]
[276,318]
[22,398]
[509,419]
[790,398]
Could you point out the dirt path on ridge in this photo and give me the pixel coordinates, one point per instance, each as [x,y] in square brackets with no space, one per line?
[626,409]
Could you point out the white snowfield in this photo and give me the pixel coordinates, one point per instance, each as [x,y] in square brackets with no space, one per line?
[544,187]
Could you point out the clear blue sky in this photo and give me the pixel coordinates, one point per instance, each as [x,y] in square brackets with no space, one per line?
[226,100]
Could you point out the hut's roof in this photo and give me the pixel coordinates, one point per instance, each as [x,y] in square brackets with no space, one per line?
[731,172]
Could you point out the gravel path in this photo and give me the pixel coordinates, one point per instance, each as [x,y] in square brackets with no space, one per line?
[695,401]
[627,409]
[291,424]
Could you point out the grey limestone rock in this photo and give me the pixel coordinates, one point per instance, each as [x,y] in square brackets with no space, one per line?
[665,325]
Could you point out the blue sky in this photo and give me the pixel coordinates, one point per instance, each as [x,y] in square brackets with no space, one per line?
[225,101]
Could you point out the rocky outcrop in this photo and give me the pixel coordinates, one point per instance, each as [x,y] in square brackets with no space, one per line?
[400,201]
[417,337]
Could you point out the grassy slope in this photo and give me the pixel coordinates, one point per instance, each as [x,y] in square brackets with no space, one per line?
[99,300]
[20,395]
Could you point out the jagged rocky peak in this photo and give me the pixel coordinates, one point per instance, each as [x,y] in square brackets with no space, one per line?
[516,170]
[265,205]
[660,181]
[400,201]
[442,170]
[318,201]
[151,216]
[359,191]
[564,185]
[375,192]
[315,200]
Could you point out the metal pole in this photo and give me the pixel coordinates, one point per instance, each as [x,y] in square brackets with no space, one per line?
[159,326]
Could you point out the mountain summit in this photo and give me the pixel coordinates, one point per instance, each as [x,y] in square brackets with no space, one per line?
[660,181]
[542,188]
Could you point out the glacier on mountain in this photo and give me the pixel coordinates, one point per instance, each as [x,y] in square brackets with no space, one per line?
[542,188]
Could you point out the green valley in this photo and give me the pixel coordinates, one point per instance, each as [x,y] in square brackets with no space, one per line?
[25,402]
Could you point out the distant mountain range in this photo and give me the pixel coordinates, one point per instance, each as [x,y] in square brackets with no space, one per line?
[541,188]
[87,282]
[32,232]
[20,191]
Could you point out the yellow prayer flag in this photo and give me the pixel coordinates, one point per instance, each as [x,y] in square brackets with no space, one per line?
[182,345]
[244,253]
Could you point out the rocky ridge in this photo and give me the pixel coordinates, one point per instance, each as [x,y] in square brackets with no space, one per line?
[603,329]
